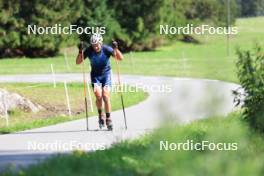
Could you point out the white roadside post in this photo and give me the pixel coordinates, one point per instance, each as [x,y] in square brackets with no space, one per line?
[206,38]
[5,110]
[228,25]
[90,97]
[67,98]
[184,62]
[66,60]
[53,75]
[131,61]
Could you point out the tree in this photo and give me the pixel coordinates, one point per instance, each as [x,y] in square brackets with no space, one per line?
[251,7]
[96,14]
[17,15]
[142,19]
[134,24]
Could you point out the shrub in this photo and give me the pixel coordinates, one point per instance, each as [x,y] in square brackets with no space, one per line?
[135,25]
[17,15]
[141,19]
[250,67]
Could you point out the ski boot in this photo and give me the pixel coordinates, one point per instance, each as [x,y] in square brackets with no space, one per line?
[109,124]
[101,122]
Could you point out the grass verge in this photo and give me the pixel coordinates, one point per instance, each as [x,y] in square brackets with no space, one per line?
[144,157]
[53,101]
[206,60]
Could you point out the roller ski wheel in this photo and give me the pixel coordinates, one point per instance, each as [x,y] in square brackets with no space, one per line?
[101,122]
[109,124]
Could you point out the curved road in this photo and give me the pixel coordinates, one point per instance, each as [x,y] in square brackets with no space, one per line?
[173,100]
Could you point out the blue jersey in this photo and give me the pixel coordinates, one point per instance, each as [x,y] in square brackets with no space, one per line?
[100,62]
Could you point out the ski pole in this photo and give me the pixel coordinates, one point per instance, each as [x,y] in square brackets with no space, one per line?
[84,86]
[121,95]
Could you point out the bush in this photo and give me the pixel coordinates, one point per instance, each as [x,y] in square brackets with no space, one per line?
[251,8]
[212,11]
[135,25]
[17,15]
[141,20]
[96,14]
[251,76]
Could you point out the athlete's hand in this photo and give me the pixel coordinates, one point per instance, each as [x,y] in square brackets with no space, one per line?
[80,47]
[114,44]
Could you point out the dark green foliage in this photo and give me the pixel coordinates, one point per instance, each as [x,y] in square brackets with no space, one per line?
[141,19]
[17,15]
[251,7]
[96,14]
[134,24]
[214,11]
[251,76]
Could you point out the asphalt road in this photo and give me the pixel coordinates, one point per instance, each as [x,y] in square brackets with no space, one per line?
[171,100]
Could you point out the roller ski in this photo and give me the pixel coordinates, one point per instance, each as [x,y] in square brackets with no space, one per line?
[109,124]
[101,122]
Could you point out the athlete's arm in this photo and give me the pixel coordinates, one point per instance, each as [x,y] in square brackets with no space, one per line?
[79,58]
[81,55]
[117,54]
